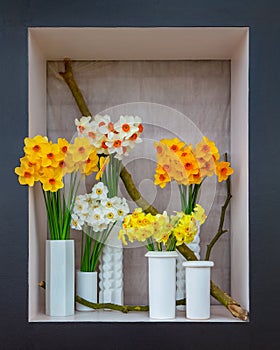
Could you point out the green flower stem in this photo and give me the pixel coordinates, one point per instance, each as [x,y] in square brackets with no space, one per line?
[91,248]
[82,248]
[195,194]
[136,196]
[111,175]
[58,213]
[150,244]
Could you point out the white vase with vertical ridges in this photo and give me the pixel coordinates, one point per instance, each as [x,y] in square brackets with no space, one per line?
[111,270]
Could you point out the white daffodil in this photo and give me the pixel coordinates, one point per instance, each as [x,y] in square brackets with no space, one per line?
[126,126]
[95,219]
[82,125]
[99,191]
[110,202]
[116,145]
[104,124]
[122,209]
[91,201]
[81,207]
[110,215]
[76,222]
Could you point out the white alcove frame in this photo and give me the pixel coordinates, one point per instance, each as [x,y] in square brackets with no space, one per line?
[161,43]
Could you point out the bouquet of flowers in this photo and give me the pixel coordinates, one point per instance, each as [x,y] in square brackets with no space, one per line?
[95,215]
[189,167]
[112,141]
[162,229]
[48,163]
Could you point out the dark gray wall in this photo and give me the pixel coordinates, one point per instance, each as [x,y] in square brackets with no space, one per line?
[263,18]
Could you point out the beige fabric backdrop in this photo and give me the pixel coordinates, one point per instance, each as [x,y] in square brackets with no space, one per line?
[198,89]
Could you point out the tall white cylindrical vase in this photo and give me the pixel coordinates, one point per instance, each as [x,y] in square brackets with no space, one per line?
[162,284]
[198,289]
[86,288]
[60,277]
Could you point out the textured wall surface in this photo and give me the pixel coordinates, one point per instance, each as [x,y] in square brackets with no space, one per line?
[181,93]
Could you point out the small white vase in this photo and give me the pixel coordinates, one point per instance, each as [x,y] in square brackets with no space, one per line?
[86,288]
[60,277]
[162,284]
[198,289]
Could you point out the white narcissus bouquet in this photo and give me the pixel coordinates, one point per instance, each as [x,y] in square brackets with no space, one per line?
[95,215]
[113,141]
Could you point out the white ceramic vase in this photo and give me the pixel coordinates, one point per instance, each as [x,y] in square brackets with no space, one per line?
[86,288]
[60,277]
[162,284]
[198,289]
[111,269]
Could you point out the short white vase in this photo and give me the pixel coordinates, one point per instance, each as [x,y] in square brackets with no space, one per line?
[60,277]
[198,289]
[86,288]
[162,284]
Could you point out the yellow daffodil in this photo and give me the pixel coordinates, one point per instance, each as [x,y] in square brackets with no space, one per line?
[51,155]
[33,146]
[52,180]
[36,165]
[207,150]
[80,149]
[121,236]
[223,170]
[161,177]
[189,162]
[206,167]
[25,175]
[103,161]
[63,145]
[195,178]
[90,165]
[175,145]
[199,214]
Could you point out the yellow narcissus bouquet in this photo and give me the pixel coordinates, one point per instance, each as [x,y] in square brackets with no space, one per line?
[161,232]
[48,163]
[188,166]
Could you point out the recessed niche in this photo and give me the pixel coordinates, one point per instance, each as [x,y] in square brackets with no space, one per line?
[225,47]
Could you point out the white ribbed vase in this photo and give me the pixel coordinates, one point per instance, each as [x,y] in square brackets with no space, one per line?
[162,284]
[111,275]
[86,288]
[60,277]
[198,289]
